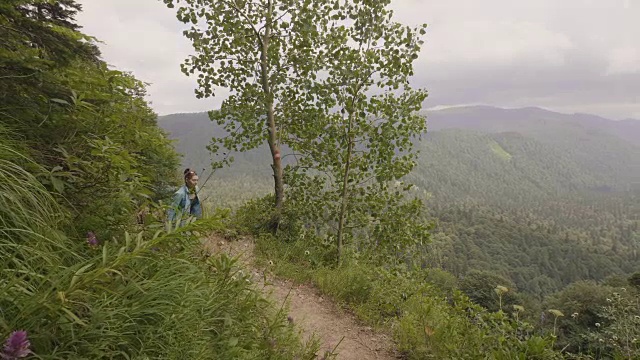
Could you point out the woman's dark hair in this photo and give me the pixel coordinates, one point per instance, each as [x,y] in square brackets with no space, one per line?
[188,174]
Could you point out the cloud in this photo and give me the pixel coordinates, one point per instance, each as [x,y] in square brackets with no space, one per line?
[576,55]
[144,37]
[624,60]
[477,43]
[581,55]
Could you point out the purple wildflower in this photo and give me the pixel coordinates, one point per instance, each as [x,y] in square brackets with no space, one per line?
[16,346]
[92,240]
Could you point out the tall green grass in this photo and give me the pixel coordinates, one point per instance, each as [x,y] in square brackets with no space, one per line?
[145,296]
[29,216]
[427,320]
[427,315]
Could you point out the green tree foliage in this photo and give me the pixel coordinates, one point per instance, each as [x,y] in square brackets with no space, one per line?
[257,50]
[87,125]
[39,39]
[582,300]
[301,75]
[539,216]
[356,141]
[539,251]
[489,290]
[619,335]
[604,321]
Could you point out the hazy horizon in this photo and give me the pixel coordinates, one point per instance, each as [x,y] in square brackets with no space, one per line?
[446,107]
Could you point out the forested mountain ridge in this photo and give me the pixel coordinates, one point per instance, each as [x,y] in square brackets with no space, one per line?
[492,119]
[547,151]
[518,192]
[602,147]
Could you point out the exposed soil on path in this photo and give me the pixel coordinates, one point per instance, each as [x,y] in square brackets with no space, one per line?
[314,314]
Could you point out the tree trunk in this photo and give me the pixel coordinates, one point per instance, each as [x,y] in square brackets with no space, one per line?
[345,193]
[271,121]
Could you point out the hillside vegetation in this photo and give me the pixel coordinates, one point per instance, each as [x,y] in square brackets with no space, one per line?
[518,201]
[83,273]
[512,204]
[512,239]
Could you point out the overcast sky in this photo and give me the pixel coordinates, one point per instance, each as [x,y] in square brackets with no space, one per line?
[563,55]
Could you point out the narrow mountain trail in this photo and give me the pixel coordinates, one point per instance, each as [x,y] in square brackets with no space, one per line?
[339,332]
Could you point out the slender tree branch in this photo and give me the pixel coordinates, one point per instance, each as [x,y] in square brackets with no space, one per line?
[292,154]
[249,22]
[281,16]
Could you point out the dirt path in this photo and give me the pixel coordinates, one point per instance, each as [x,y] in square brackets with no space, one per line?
[311,312]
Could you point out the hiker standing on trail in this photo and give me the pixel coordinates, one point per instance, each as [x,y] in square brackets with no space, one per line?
[185,199]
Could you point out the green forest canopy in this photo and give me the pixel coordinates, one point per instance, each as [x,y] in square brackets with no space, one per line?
[517,192]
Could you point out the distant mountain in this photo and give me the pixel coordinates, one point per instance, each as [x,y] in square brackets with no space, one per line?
[530,119]
[557,152]
[606,149]
[515,191]
[459,164]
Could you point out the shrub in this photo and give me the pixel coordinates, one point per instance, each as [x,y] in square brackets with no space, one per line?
[144,296]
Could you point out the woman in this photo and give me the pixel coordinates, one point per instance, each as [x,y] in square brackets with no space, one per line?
[185,199]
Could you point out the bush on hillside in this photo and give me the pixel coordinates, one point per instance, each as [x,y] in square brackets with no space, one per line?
[139,297]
